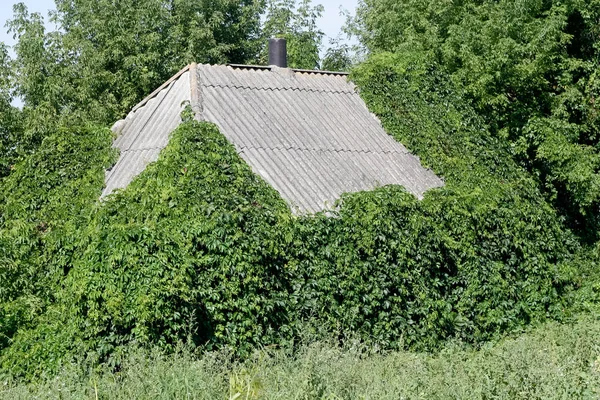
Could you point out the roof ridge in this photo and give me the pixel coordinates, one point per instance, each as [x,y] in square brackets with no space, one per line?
[196,92]
[270,68]
[298,89]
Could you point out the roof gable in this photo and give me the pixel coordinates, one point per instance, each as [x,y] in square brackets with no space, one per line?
[308,134]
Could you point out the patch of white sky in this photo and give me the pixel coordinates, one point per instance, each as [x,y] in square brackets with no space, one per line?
[330,23]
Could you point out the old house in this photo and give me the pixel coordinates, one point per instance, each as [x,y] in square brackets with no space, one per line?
[306,133]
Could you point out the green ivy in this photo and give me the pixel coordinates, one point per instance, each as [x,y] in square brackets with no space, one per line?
[186,252]
[198,249]
[44,204]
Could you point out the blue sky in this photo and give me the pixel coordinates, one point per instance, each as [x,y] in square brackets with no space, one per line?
[330,23]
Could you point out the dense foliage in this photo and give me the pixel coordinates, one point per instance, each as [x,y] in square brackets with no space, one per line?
[44,204]
[528,67]
[198,249]
[106,55]
[187,252]
[481,255]
[10,126]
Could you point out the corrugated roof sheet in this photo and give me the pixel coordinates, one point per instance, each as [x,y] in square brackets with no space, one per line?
[307,134]
[145,132]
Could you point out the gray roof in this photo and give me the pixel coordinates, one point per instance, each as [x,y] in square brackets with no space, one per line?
[306,133]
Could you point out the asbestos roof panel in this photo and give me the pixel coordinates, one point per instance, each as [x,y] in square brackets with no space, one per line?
[293,174]
[130,164]
[272,79]
[309,135]
[165,118]
[295,119]
[146,131]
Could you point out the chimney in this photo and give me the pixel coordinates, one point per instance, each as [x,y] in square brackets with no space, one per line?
[278,52]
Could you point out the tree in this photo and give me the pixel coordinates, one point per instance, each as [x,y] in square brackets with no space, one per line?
[530,68]
[106,55]
[338,56]
[10,126]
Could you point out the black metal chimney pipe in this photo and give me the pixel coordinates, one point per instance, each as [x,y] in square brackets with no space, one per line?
[278,52]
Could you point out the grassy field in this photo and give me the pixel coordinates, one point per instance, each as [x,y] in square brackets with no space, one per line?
[554,361]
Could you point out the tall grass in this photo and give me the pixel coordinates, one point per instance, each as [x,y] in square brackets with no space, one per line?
[553,361]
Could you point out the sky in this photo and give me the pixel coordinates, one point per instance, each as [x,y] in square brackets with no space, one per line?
[331,22]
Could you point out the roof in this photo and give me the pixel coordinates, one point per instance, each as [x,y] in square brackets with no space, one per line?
[306,133]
